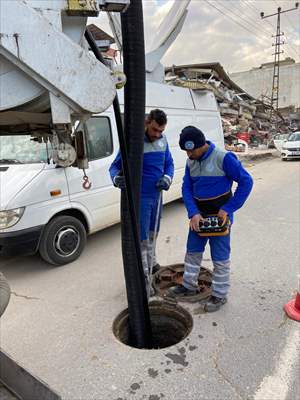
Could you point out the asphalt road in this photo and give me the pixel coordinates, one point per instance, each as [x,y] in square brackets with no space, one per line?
[58,323]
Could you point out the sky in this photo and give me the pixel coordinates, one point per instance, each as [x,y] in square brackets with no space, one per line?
[227,31]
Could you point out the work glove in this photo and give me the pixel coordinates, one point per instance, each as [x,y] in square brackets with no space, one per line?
[119,181]
[163,183]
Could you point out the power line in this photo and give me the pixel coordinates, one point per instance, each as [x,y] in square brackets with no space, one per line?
[256,11]
[294,49]
[248,18]
[290,21]
[270,29]
[249,4]
[276,69]
[287,17]
[240,6]
[291,33]
[241,22]
[228,16]
[259,28]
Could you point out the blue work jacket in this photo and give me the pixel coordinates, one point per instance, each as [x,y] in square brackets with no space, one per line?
[157,162]
[212,176]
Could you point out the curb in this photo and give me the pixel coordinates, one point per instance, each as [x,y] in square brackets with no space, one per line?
[256,156]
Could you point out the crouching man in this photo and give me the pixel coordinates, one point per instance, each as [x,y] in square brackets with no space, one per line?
[206,190]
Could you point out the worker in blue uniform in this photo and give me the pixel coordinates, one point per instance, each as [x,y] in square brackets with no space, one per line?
[206,190]
[157,175]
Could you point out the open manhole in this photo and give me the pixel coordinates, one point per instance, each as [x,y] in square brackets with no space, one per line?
[170,324]
[172,275]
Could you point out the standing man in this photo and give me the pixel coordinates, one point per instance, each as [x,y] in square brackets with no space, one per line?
[209,175]
[157,175]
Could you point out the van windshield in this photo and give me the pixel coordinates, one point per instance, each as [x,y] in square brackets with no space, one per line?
[22,149]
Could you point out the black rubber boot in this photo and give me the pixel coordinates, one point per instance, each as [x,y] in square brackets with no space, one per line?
[155,268]
[214,303]
[181,291]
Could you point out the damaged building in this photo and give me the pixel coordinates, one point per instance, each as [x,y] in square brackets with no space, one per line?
[243,116]
[258,83]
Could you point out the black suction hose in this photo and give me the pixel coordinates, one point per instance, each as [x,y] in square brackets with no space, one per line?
[139,318]
[134,119]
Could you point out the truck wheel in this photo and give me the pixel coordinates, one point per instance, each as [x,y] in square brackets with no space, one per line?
[63,240]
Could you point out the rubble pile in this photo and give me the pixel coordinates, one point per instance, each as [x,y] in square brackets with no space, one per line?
[245,120]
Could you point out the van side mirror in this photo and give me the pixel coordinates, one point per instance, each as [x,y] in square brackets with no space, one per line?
[81,150]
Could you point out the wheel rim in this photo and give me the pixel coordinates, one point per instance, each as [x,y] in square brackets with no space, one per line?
[66,241]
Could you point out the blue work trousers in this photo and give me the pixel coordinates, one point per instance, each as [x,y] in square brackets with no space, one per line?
[220,254]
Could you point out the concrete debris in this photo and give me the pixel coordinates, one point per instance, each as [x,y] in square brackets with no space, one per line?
[246,120]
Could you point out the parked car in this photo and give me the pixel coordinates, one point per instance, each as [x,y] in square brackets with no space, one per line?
[279,140]
[291,147]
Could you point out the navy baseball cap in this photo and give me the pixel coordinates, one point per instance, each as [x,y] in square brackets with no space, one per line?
[191,138]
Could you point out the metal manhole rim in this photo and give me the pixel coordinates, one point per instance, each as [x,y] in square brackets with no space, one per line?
[205,276]
[180,316]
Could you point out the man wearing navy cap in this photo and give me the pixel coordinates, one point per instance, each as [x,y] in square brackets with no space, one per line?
[209,175]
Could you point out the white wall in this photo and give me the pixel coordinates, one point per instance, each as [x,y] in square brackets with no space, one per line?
[259,81]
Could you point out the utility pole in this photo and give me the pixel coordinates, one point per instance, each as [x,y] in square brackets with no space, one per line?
[277,44]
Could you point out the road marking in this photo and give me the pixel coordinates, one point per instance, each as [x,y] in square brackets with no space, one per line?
[276,386]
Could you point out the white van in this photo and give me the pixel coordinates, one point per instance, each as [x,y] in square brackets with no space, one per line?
[45,208]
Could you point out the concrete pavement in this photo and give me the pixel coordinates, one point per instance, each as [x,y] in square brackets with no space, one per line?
[59,321]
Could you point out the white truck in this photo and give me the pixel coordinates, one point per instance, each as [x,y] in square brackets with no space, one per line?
[51,88]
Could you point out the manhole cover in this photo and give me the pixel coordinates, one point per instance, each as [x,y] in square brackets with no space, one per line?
[172,275]
[170,324]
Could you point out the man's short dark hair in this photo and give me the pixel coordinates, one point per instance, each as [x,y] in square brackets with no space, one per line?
[159,116]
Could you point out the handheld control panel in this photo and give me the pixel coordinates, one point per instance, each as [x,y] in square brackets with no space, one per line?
[214,226]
